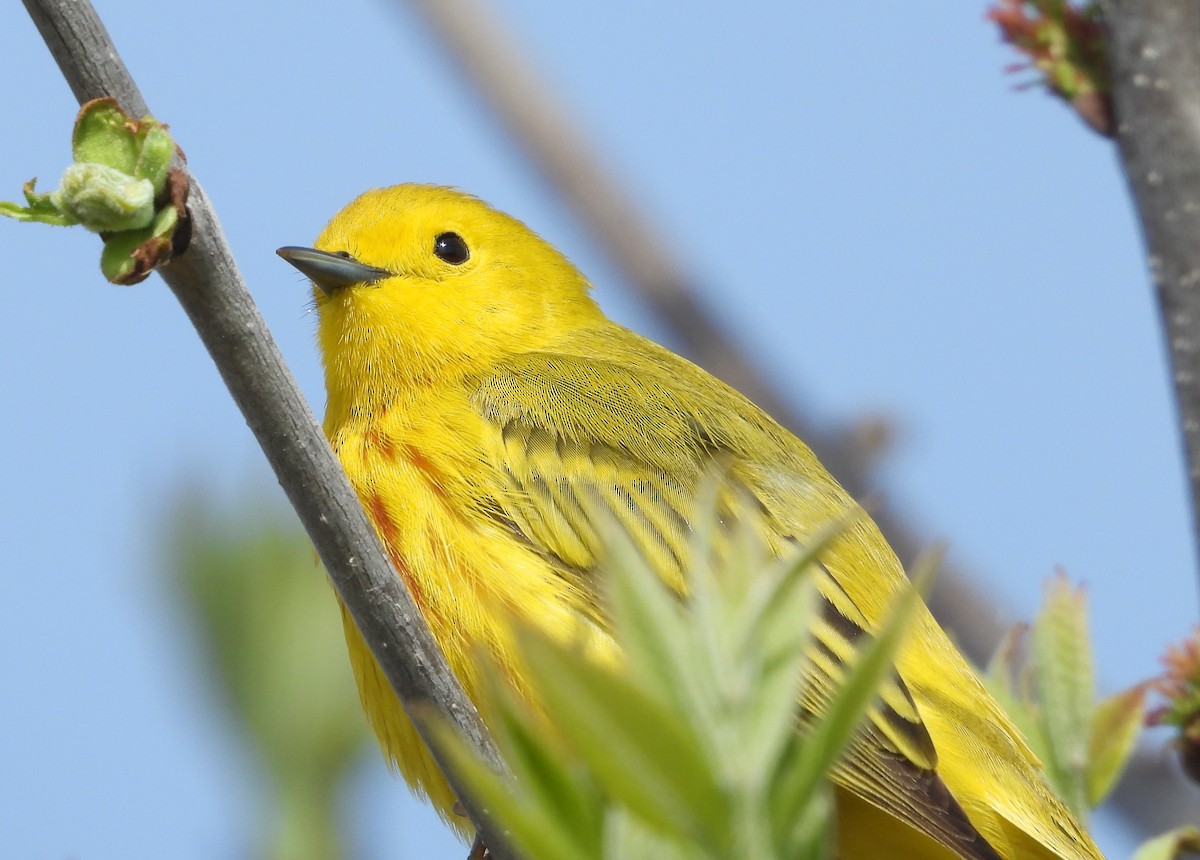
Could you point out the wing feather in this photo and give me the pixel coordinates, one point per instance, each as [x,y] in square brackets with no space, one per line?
[562,465]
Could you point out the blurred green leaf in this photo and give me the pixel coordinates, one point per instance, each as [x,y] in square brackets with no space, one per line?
[631,838]
[1062,655]
[1009,677]
[640,751]
[537,832]
[801,776]
[770,635]
[809,835]
[674,750]
[1185,840]
[1116,724]
[647,622]
[1049,694]
[557,783]
[273,640]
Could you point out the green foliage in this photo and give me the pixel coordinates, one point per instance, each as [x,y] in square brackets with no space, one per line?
[685,746]
[1050,695]
[1116,724]
[1066,688]
[103,198]
[40,208]
[275,646]
[119,186]
[1178,689]
[1177,843]
[1067,44]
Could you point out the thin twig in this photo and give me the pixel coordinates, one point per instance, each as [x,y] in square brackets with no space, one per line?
[207,283]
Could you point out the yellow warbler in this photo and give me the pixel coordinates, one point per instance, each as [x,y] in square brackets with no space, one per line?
[477,394]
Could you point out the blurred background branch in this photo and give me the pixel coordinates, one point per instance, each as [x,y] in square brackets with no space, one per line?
[520,100]
[272,636]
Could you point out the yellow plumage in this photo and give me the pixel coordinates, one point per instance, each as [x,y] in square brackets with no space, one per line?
[481,403]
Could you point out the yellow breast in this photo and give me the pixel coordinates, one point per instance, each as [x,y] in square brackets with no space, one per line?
[470,573]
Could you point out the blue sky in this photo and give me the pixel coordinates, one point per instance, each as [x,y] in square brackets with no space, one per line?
[884,223]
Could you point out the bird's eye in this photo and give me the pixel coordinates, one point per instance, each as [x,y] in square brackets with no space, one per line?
[451,248]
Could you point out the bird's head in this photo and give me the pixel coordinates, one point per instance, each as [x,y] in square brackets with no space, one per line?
[417,283]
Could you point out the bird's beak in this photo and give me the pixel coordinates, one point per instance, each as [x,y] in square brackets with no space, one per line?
[331,271]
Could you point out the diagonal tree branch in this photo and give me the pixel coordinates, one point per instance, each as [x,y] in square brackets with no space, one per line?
[207,283]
